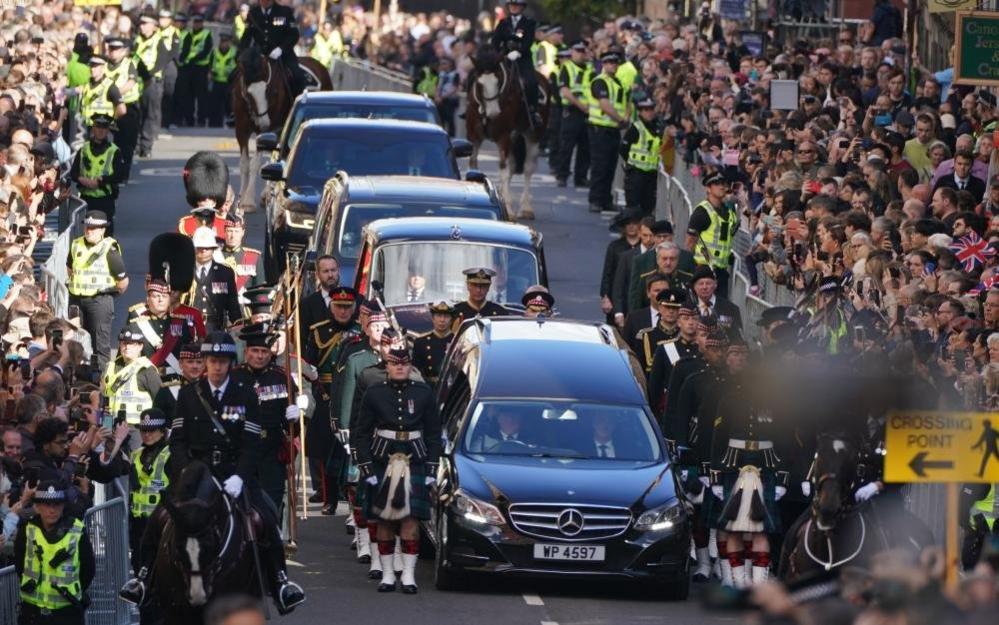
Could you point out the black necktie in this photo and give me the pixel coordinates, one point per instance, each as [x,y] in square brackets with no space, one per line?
[218,395]
[960,185]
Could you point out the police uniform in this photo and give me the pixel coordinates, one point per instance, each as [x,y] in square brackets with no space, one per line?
[130,385]
[273,28]
[170,36]
[152,55]
[714,228]
[573,135]
[54,566]
[640,148]
[104,162]
[166,398]
[99,96]
[467,310]
[123,73]
[192,76]
[605,135]
[213,291]
[222,65]
[95,271]
[247,263]
[149,477]
[651,338]
[162,336]
[430,348]
[515,33]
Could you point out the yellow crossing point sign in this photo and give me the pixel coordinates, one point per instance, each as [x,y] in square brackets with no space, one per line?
[942,447]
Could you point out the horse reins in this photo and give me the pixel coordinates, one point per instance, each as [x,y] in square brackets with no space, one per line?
[830,564]
[246,94]
[228,538]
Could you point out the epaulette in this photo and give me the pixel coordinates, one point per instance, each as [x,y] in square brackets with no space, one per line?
[251,249]
[319,324]
[141,306]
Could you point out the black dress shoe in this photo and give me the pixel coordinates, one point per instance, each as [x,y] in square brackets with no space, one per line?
[581,183]
[374,574]
[329,510]
[316,498]
[386,587]
[409,590]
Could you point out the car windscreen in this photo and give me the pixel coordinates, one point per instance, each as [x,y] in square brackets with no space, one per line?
[355,216]
[561,429]
[340,110]
[317,156]
[429,271]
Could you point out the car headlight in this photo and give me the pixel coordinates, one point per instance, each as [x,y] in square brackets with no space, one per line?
[661,518]
[476,510]
[298,219]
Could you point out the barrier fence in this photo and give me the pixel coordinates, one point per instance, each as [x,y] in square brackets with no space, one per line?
[357,75]
[53,271]
[9,595]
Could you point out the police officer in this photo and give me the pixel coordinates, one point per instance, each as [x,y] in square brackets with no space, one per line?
[100,96]
[279,406]
[514,36]
[152,55]
[430,348]
[668,303]
[712,226]
[169,34]
[130,381]
[239,22]
[192,365]
[148,477]
[426,79]
[213,291]
[217,421]
[640,148]
[123,71]
[272,27]
[608,113]
[538,302]
[247,263]
[223,64]
[163,332]
[192,77]
[670,352]
[96,276]
[54,560]
[398,419]
[478,280]
[98,168]
[327,45]
[574,92]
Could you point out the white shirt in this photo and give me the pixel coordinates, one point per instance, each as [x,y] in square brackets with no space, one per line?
[607,451]
[655,316]
[220,389]
[201,270]
[706,308]
[961,183]
[326,297]
[509,437]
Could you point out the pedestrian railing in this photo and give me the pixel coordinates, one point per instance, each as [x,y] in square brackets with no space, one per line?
[107,528]
[54,276]
[10,594]
[356,75]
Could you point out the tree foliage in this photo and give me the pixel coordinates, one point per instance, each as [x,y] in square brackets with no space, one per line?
[573,10]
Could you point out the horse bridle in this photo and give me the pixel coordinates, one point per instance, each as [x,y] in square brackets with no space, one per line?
[246,95]
[499,91]
[231,524]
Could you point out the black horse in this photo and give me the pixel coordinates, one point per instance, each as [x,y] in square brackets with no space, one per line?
[205,548]
[835,531]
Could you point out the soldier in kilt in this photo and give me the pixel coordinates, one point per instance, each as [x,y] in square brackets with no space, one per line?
[397,439]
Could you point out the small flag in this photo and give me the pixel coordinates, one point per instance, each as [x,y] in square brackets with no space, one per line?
[972,251]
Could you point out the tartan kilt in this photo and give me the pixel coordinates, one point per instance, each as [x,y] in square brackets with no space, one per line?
[420,503]
[713,507]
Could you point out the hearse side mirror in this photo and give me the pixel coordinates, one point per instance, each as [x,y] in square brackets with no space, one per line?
[474,175]
[267,142]
[273,172]
[462,148]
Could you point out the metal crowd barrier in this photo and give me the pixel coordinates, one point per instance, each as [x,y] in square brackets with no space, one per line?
[10,595]
[107,527]
[53,271]
[357,75]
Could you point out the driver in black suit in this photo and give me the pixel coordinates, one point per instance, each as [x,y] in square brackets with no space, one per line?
[514,36]
[272,27]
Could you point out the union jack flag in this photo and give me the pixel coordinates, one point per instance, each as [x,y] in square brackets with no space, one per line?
[972,251]
[985,285]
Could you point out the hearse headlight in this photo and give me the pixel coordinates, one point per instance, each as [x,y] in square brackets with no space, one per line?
[476,510]
[661,518]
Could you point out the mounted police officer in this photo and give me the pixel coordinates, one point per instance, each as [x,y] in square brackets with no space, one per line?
[98,169]
[430,348]
[54,560]
[514,36]
[397,437]
[608,113]
[213,291]
[279,406]
[478,280]
[163,332]
[217,422]
[272,28]
[123,71]
[574,90]
[130,381]
[96,276]
[100,95]
[192,77]
[192,365]
[713,225]
[640,147]
[223,64]
[152,55]
[247,263]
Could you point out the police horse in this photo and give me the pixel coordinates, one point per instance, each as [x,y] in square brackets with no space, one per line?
[836,532]
[261,100]
[205,548]
[497,111]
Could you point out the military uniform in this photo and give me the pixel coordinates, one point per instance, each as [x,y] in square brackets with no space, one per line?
[467,310]
[214,295]
[666,356]
[274,28]
[248,265]
[194,318]
[428,354]
[162,336]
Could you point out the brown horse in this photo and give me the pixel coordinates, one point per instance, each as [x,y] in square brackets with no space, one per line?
[497,111]
[261,101]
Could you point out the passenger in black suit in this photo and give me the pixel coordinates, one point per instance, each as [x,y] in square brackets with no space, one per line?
[704,285]
[213,291]
[316,305]
[648,317]
[513,37]
[606,442]
[961,179]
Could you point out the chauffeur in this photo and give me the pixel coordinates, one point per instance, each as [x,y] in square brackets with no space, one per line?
[213,291]
[478,280]
[430,348]
[399,428]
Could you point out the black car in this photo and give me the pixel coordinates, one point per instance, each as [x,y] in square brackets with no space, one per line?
[347,105]
[349,203]
[553,464]
[359,147]
[427,255]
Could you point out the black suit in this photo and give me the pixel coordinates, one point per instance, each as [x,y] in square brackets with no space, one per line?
[973,185]
[275,29]
[636,321]
[507,38]
[314,310]
[215,296]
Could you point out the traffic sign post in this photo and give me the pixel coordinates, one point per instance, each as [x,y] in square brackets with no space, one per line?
[943,447]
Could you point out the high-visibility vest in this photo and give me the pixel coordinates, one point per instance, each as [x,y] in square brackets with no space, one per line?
[120,76]
[223,64]
[579,81]
[534,53]
[41,580]
[616,94]
[151,482]
[644,153]
[428,82]
[91,271]
[198,42]
[121,386]
[97,166]
[987,508]
[147,51]
[238,27]
[325,49]
[626,75]
[717,239]
[168,35]
[95,99]
[549,63]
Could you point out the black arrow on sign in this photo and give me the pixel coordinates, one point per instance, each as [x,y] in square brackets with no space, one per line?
[919,464]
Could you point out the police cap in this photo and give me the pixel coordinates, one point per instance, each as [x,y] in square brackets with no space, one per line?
[50,490]
[219,343]
[715,177]
[96,60]
[101,120]
[131,333]
[95,219]
[148,19]
[152,419]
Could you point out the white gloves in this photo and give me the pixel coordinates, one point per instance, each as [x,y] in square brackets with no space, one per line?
[866,491]
[513,55]
[233,486]
[302,401]
[684,473]
[343,435]
[431,481]
[718,491]
[779,492]
[806,488]
[704,480]
[373,480]
[275,54]
[291,413]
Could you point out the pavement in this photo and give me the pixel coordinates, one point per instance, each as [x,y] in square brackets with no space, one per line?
[337,587]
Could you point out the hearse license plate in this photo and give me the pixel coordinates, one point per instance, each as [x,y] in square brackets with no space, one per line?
[580,553]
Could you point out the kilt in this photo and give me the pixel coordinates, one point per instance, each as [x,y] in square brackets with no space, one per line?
[420,504]
[713,507]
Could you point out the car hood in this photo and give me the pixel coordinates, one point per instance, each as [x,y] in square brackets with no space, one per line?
[596,482]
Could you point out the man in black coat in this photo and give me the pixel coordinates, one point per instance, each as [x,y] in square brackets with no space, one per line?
[704,284]
[513,37]
[618,250]
[272,27]
[961,179]
[646,317]
[213,291]
[316,305]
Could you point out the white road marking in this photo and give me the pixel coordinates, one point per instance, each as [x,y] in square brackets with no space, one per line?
[548,623]
[294,563]
[533,600]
